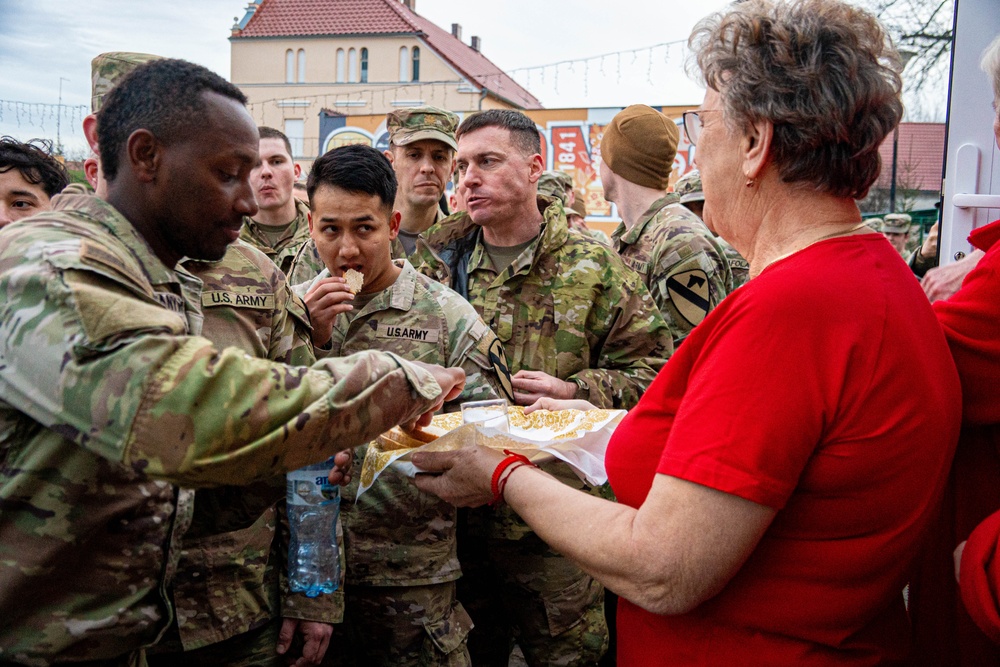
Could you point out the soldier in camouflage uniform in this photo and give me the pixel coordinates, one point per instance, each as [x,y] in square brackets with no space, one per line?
[688,188]
[558,184]
[232,575]
[422,152]
[109,398]
[281,227]
[401,548]
[679,259]
[231,562]
[575,322]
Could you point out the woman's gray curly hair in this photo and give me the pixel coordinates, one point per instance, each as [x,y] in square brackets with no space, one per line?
[824,73]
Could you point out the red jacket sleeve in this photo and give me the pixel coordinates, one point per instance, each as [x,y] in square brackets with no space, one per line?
[980,576]
[971,322]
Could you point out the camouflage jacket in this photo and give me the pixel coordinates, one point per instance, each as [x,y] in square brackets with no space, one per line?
[395,534]
[680,262]
[231,564]
[107,401]
[567,305]
[284,252]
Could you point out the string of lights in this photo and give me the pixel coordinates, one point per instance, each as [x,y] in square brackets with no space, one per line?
[376,97]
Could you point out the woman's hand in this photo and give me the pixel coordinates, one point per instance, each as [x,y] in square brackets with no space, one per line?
[460,477]
[546,403]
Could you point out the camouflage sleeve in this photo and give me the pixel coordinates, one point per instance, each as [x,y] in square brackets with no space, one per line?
[635,348]
[687,281]
[476,349]
[89,357]
[291,340]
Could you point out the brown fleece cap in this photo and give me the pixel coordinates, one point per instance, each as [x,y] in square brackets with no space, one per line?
[640,144]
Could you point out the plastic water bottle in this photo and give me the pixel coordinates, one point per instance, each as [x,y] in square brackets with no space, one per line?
[313,506]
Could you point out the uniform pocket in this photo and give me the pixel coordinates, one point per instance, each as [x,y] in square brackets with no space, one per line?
[566,608]
[450,632]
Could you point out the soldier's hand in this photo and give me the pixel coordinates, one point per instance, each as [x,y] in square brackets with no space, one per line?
[327,299]
[557,404]
[315,636]
[451,381]
[529,386]
[340,473]
[943,281]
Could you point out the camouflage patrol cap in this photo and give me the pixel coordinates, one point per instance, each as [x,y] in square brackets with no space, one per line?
[107,69]
[555,184]
[896,223]
[688,187]
[408,125]
[579,207]
[874,223]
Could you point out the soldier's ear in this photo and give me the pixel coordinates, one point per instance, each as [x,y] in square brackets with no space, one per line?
[394,221]
[144,153]
[536,166]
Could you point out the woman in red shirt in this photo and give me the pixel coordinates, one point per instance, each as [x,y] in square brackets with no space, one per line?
[775,480]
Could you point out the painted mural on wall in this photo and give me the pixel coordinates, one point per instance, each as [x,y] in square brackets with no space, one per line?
[573,146]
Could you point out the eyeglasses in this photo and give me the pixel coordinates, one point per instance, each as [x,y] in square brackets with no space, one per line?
[693,124]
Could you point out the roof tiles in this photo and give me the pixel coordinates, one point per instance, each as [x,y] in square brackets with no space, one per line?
[294,18]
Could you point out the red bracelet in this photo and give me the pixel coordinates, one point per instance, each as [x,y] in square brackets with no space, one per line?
[495,486]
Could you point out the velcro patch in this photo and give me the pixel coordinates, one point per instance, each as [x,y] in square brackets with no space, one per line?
[237,300]
[689,293]
[408,333]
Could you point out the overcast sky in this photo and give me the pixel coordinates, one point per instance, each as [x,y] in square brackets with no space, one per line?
[43,41]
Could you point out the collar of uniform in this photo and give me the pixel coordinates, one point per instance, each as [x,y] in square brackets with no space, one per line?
[553,233]
[101,212]
[298,228]
[628,237]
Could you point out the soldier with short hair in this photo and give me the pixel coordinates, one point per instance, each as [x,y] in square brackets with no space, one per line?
[109,397]
[575,323]
[230,591]
[401,607]
[422,153]
[679,259]
[280,227]
[688,188]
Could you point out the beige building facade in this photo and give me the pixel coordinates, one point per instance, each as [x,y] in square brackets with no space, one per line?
[299,61]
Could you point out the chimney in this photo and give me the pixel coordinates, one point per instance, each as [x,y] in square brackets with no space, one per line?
[475,43]
[411,5]
[456,31]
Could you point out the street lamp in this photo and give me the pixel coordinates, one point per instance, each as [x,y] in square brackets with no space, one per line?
[904,57]
[59,148]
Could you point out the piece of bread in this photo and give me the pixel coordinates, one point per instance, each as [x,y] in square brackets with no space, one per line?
[399,438]
[355,280]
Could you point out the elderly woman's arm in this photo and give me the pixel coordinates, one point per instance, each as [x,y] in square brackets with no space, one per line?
[677,550]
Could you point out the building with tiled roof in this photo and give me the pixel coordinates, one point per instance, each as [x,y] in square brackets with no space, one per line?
[300,60]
